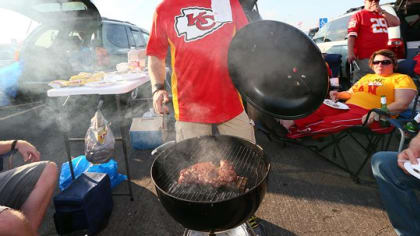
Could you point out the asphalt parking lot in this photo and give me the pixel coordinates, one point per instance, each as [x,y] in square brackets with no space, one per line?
[306,195]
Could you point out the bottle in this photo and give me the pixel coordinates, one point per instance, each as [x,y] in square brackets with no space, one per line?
[382,121]
[133,59]
[413,126]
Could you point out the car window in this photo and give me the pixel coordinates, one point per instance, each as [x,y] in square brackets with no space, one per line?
[47,38]
[337,29]
[116,36]
[320,35]
[145,36]
[130,37]
[138,38]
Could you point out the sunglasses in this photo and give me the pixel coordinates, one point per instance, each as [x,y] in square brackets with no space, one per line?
[373,0]
[384,62]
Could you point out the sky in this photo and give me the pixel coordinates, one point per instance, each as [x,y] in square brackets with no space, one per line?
[303,14]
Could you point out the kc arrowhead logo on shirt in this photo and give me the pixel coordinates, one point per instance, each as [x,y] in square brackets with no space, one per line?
[196,23]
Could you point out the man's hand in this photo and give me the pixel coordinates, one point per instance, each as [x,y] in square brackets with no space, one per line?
[410,154]
[407,155]
[351,57]
[160,98]
[376,8]
[28,151]
[372,117]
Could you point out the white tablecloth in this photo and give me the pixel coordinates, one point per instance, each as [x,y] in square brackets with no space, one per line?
[119,87]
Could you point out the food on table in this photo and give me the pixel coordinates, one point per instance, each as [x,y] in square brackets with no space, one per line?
[80,76]
[207,173]
[58,83]
[78,80]
[98,76]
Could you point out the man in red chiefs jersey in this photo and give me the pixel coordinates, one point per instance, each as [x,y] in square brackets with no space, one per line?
[367,33]
[198,34]
[202,90]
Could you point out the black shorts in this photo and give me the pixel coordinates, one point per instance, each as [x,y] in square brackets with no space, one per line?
[16,184]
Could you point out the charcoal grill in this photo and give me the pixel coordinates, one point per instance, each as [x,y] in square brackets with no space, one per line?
[208,209]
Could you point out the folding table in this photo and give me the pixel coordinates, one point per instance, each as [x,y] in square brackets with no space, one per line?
[117,88]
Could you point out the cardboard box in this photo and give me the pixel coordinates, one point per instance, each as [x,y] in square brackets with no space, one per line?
[146,133]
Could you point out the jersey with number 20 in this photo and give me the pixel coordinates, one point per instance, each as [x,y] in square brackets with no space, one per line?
[371,32]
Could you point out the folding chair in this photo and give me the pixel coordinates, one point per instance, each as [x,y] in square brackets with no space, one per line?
[332,146]
[407,67]
[334,62]
[371,141]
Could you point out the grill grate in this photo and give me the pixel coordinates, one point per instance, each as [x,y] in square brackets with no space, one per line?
[248,165]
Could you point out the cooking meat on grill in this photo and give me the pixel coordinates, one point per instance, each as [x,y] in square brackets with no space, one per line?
[207,173]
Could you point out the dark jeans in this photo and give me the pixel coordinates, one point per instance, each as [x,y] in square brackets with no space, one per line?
[396,190]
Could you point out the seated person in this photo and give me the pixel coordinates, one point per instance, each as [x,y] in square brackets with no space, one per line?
[363,96]
[25,191]
[396,187]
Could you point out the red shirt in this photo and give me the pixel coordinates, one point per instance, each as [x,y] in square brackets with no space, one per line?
[202,89]
[371,31]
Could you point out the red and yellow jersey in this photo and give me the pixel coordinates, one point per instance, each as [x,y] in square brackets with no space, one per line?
[371,31]
[201,86]
[368,90]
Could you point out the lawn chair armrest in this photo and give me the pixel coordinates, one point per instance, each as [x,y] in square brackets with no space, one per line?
[385,114]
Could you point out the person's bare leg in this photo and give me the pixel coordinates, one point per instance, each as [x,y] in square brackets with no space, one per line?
[35,206]
[13,222]
[287,123]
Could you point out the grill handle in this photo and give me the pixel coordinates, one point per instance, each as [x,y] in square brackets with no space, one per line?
[162,148]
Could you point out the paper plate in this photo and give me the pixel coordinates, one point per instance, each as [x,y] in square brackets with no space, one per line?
[336,105]
[414,170]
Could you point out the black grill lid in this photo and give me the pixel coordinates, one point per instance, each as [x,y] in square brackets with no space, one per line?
[278,69]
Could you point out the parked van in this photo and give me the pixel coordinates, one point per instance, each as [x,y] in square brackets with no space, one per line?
[404,40]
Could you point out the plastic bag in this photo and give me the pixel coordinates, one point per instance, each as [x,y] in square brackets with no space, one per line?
[81,165]
[99,140]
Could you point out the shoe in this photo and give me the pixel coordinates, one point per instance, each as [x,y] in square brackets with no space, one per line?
[257,227]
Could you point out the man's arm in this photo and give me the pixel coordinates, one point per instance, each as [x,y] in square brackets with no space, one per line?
[157,74]
[403,98]
[156,70]
[391,19]
[27,150]
[350,48]
[5,146]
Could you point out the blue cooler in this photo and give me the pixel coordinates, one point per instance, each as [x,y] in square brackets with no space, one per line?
[146,133]
[85,205]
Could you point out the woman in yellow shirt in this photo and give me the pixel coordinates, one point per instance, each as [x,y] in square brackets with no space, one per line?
[399,90]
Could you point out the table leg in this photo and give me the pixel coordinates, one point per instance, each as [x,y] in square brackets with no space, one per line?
[124,144]
[65,130]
